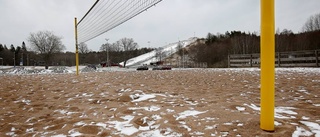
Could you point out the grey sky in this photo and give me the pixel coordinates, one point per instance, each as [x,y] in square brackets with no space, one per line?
[167,22]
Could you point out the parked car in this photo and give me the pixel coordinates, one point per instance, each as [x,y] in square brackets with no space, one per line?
[166,68]
[92,66]
[162,67]
[156,68]
[143,68]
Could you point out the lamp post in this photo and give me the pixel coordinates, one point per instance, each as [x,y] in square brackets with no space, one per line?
[32,64]
[27,59]
[1,61]
[107,53]
[21,60]
[14,59]
[182,57]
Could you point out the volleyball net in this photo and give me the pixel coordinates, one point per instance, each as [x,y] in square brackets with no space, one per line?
[105,15]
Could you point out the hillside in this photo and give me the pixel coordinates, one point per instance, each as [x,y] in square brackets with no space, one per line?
[167,50]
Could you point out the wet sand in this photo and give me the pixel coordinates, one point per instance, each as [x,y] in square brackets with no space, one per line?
[221,102]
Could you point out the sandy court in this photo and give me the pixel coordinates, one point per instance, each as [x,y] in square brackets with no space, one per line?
[195,102]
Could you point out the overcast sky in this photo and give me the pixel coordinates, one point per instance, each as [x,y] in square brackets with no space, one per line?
[167,22]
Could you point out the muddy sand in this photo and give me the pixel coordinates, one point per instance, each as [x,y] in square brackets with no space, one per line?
[196,102]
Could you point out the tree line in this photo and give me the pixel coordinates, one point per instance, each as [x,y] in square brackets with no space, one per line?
[214,49]
[46,49]
[13,55]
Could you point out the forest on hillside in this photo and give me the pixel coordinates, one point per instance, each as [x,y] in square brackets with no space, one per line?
[216,48]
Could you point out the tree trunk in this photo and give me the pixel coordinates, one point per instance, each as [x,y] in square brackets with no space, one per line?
[124,64]
[46,65]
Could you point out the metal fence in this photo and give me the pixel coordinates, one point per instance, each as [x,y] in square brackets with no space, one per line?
[282,59]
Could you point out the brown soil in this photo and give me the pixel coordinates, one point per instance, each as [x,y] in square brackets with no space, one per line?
[53,104]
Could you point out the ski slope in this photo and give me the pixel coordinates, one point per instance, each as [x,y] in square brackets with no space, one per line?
[149,57]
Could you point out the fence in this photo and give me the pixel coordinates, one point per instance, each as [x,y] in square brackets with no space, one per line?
[191,64]
[282,59]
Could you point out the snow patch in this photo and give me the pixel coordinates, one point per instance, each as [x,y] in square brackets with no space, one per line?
[241,108]
[278,111]
[276,123]
[189,113]
[150,108]
[125,127]
[317,105]
[314,127]
[143,97]
[300,131]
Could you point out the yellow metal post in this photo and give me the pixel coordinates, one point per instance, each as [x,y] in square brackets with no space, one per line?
[77,53]
[267,74]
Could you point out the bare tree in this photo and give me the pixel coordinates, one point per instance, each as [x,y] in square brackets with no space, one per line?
[312,24]
[83,48]
[105,47]
[110,47]
[126,45]
[181,51]
[45,43]
[179,48]
[160,54]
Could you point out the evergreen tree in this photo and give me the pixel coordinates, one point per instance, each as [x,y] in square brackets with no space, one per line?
[18,49]
[23,47]
[5,47]
[1,48]
[12,49]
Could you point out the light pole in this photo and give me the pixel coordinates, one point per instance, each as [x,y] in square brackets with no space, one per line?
[1,61]
[182,57]
[21,60]
[27,59]
[32,64]
[14,59]
[107,52]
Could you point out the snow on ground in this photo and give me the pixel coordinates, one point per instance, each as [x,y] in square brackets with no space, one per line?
[151,117]
[55,69]
[84,69]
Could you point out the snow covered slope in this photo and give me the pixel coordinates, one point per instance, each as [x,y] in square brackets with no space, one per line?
[149,57]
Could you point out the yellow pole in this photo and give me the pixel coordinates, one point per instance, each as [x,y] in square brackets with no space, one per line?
[267,74]
[76,37]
